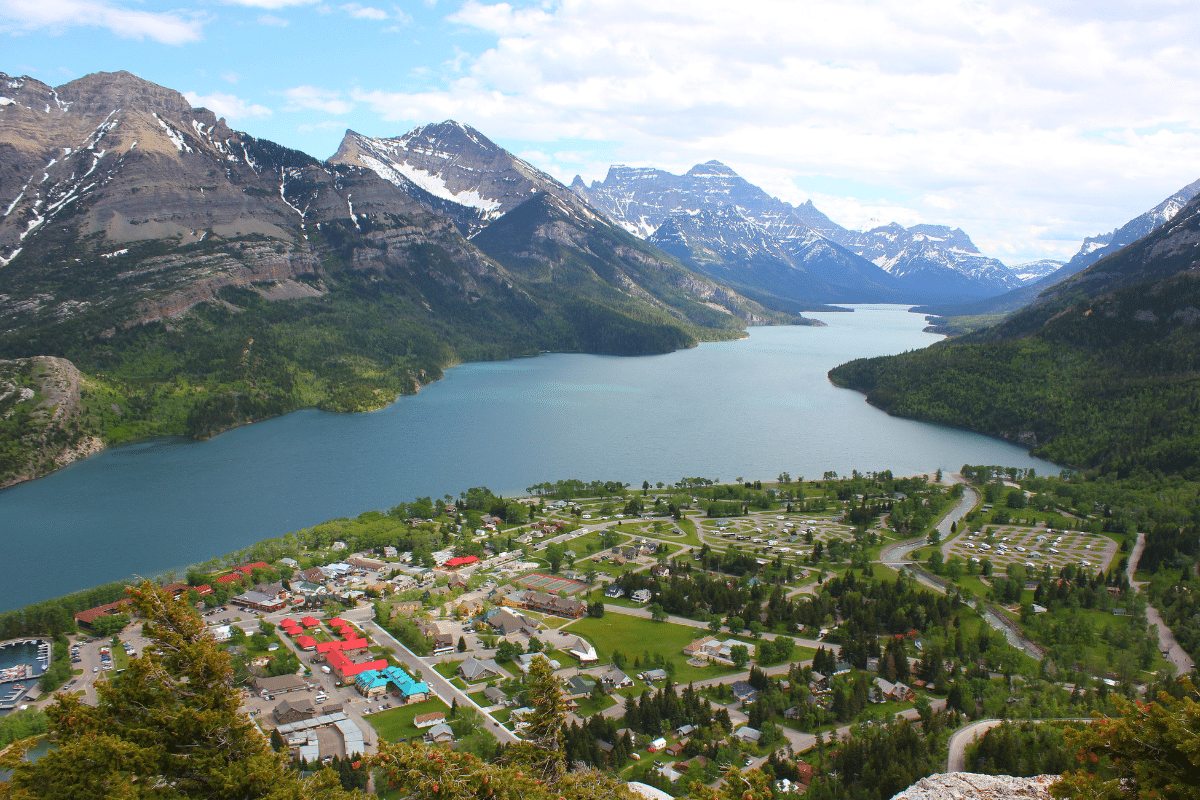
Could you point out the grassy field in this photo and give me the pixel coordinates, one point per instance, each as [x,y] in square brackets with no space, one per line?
[589,544]
[447,668]
[634,636]
[397,723]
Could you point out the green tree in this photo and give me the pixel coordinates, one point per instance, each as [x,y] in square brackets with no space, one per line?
[542,743]
[1151,747]
[110,625]
[554,555]
[657,613]
[739,654]
[171,727]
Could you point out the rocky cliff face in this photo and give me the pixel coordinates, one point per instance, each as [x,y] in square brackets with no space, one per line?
[120,198]
[41,409]
[970,786]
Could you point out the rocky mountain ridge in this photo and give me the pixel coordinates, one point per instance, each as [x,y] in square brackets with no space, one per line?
[1093,249]
[1097,247]
[909,264]
[454,171]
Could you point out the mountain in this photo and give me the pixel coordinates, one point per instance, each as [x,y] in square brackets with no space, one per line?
[1092,250]
[890,263]
[199,277]
[1097,247]
[1102,372]
[1035,270]
[724,244]
[932,259]
[454,171]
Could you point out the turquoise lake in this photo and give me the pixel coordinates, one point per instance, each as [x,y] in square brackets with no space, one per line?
[751,408]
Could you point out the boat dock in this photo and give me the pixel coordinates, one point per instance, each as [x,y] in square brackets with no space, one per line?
[17,680]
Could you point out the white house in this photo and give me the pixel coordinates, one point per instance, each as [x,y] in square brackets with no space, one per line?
[583,650]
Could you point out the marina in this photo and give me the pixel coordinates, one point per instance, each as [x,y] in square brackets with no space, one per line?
[22,662]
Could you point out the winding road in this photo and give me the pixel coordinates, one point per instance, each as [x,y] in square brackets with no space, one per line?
[1166,640]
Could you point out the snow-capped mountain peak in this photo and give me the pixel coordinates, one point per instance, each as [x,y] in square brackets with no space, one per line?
[456,171]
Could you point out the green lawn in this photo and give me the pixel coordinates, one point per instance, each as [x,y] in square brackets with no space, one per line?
[120,657]
[589,544]
[589,707]
[447,668]
[634,636]
[396,723]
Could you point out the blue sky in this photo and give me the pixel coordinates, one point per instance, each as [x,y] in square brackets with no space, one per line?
[1029,125]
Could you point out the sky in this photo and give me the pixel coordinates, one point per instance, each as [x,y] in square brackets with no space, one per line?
[1028,125]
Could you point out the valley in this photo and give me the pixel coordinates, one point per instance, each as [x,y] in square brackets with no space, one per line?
[165,280]
[756,622]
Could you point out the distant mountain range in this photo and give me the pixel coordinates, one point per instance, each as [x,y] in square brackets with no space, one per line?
[706,215]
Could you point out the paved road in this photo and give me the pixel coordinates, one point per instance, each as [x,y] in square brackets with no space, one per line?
[1166,640]
[445,690]
[896,557]
[964,736]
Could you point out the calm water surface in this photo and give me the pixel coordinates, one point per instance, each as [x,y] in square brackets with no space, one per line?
[751,408]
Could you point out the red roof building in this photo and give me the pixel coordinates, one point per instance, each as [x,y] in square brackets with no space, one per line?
[310,622]
[344,668]
[246,569]
[203,589]
[461,561]
[306,642]
[107,610]
[350,645]
[232,577]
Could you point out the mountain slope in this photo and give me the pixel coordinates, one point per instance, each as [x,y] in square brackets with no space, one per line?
[1093,249]
[931,259]
[200,278]
[612,287]
[725,245]
[1102,373]
[454,171]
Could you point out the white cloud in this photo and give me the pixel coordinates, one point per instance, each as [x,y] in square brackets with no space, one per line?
[227,105]
[169,27]
[313,99]
[1020,122]
[273,21]
[364,12]
[230,77]
[270,4]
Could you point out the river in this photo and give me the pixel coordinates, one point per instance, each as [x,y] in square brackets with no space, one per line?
[751,408]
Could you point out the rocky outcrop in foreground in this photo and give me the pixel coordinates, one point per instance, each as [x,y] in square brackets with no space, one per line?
[970,786]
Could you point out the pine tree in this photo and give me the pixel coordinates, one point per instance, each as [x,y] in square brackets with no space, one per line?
[172,726]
